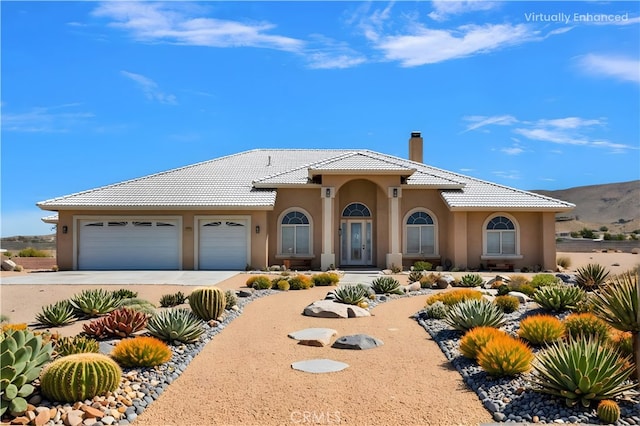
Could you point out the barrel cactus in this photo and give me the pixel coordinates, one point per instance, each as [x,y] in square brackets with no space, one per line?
[207,302]
[22,355]
[608,411]
[80,376]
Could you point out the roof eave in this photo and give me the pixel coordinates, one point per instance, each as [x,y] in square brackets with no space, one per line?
[369,172]
[508,208]
[158,207]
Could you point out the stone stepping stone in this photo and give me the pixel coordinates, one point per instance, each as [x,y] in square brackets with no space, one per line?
[357,342]
[314,336]
[318,366]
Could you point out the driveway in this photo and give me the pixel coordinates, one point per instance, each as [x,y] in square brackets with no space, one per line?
[121,277]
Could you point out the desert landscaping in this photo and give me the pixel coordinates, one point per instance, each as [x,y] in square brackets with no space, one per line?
[244,374]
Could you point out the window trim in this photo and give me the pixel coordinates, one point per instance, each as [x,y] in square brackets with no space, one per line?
[436,245]
[488,256]
[279,253]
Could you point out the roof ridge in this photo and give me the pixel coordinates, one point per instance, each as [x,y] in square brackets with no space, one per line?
[307,165]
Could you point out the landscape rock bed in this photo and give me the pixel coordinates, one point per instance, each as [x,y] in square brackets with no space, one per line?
[512,399]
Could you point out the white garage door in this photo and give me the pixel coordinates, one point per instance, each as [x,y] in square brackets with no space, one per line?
[223,244]
[128,244]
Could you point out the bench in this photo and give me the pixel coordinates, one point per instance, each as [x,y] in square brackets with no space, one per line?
[297,263]
[500,266]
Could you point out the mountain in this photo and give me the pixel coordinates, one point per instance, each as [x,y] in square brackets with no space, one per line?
[612,205]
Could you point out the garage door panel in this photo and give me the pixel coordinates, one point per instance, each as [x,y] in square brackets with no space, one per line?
[128,245]
[223,244]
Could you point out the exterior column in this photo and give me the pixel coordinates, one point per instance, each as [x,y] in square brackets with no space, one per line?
[548,241]
[394,257]
[328,256]
[460,236]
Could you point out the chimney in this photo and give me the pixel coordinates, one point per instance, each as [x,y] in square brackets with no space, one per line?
[415,147]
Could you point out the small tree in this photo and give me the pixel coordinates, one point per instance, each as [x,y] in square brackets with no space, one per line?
[604,229]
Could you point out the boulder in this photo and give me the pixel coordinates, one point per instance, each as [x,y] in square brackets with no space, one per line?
[415,286]
[245,292]
[331,309]
[357,342]
[8,265]
[567,278]
[319,366]
[523,298]
[635,250]
[445,281]
[314,336]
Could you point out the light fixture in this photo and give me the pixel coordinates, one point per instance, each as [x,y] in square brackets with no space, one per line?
[65,229]
[257,229]
[395,192]
[327,193]
[340,232]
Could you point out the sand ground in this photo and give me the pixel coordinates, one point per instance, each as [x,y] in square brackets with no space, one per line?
[244,375]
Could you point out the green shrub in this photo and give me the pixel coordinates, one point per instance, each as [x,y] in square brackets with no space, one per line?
[139,305]
[622,341]
[171,300]
[541,329]
[23,355]
[586,325]
[564,262]
[351,294]
[453,297]
[581,372]
[475,340]
[468,314]
[591,277]
[56,315]
[141,351]
[31,252]
[428,280]
[422,266]
[231,299]
[558,297]
[94,302]
[300,282]
[470,280]
[252,279]
[386,285]
[437,310]
[124,293]
[18,268]
[176,324]
[80,376]
[76,345]
[544,279]
[283,285]
[325,279]
[505,356]
[507,303]
[261,282]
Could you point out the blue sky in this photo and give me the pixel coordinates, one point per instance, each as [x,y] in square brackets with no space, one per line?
[534,95]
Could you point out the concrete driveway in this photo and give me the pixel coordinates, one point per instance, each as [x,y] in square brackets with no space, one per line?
[121,277]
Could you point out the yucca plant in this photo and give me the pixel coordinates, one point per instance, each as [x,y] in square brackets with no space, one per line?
[618,303]
[558,297]
[581,372]
[386,285]
[56,315]
[471,280]
[94,302]
[177,324]
[351,294]
[141,351]
[541,329]
[591,277]
[505,356]
[586,325]
[466,315]
[76,345]
[475,339]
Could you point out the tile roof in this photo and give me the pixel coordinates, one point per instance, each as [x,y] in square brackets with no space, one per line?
[249,180]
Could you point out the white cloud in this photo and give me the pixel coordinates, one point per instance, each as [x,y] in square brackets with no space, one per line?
[171,23]
[150,88]
[429,46]
[571,122]
[478,121]
[507,174]
[54,119]
[513,150]
[443,9]
[618,67]
[327,53]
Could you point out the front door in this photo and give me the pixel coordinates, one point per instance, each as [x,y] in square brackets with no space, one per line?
[356,242]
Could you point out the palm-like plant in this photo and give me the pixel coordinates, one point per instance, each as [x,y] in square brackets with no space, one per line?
[618,304]
[591,277]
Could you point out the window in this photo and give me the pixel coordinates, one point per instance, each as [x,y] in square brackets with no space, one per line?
[356,210]
[295,233]
[500,237]
[420,231]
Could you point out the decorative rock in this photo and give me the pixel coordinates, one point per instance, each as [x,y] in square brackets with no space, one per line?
[523,298]
[91,412]
[567,278]
[22,420]
[245,292]
[8,265]
[42,417]
[445,281]
[314,336]
[499,417]
[73,418]
[331,309]
[318,366]
[415,286]
[357,341]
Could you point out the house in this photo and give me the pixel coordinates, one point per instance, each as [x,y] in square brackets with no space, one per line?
[317,208]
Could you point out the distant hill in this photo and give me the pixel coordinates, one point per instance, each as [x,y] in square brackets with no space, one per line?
[614,205]
[20,242]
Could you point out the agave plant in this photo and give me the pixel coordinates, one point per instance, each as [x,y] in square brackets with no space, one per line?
[351,294]
[56,315]
[581,372]
[591,277]
[384,285]
[176,324]
[618,304]
[470,280]
[472,313]
[558,297]
[94,302]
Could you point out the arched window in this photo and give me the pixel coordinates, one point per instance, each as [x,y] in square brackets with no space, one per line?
[356,210]
[501,237]
[420,231]
[295,233]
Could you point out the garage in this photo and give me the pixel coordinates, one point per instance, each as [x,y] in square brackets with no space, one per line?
[223,244]
[128,244]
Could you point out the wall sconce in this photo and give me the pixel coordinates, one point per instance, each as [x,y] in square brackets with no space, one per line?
[340,232]
[257,229]
[395,192]
[327,193]
[65,229]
